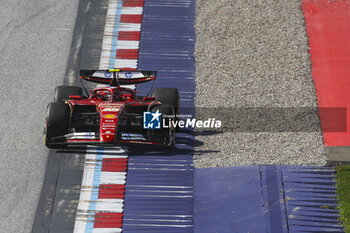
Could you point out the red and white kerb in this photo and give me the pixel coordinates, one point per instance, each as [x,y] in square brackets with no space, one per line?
[121,38]
[101,203]
[100,208]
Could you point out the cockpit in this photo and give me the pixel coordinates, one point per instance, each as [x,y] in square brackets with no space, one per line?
[112,95]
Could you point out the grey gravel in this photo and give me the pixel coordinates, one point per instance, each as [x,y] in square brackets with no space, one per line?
[254,54]
[35,39]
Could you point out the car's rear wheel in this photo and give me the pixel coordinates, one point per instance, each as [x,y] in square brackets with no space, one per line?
[57,123]
[164,135]
[62,93]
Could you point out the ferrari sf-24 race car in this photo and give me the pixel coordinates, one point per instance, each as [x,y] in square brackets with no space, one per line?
[111,114]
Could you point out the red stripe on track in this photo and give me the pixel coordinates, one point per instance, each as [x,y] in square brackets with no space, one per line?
[327,25]
[131,18]
[108,220]
[127,54]
[133,3]
[114,165]
[111,191]
[124,35]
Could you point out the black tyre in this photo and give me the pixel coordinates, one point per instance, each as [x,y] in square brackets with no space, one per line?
[166,136]
[168,96]
[62,93]
[57,123]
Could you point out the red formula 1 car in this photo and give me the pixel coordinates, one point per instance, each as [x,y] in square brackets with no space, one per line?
[112,114]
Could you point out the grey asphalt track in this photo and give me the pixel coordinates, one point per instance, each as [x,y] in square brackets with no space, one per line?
[35,39]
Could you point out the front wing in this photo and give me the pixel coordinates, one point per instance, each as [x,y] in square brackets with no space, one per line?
[89,138]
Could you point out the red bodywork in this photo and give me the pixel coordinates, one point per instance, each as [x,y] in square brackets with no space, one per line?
[109,107]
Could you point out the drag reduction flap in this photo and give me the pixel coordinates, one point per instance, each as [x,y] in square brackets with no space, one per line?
[123,77]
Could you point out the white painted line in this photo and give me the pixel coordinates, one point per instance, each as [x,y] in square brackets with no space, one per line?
[80,225]
[83,207]
[107,40]
[113,178]
[102,205]
[132,10]
[110,205]
[126,63]
[87,180]
[130,27]
[107,34]
[125,44]
[105,57]
[107,230]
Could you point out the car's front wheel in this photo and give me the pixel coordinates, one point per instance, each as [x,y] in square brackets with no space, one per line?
[169,96]
[57,123]
[166,133]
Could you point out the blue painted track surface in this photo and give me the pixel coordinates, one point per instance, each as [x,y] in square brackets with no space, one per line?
[218,200]
[272,199]
[159,188]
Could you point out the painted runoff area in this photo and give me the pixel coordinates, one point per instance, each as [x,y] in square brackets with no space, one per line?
[327,26]
[273,199]
[159,188]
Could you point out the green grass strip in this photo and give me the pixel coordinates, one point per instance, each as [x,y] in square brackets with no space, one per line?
[343,193]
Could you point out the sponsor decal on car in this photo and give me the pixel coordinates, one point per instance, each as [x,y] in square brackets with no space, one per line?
[108,132]
[111,110]
[81,135]
[109,116]
[111,105]
[133,136]
[128,74]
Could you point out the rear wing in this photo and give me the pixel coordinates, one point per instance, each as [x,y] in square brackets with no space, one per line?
[116,77]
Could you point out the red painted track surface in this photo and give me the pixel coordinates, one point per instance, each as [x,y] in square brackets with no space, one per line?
[328,28]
